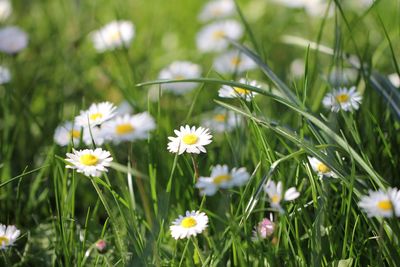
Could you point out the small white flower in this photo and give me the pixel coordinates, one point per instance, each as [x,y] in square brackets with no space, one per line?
[191,140]
[394,78]
[179,70]
[264,229]
[129,127]
[222,120]
[297,68]
[113,35]
[66,133]
[217,9]
[342,99]
[381,203]
[12,39]
[320,168]
[5,9]
[221,177]
[5,75]
[192,224]
[233,61]
[89,162]
[312,7]
[124,108]
[227,91]
[96,114]
[276,194]
[8,235]
[212,37]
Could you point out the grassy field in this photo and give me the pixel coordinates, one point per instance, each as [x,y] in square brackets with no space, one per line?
[336,156]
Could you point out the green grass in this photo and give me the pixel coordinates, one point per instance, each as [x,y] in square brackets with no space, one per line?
[62,214]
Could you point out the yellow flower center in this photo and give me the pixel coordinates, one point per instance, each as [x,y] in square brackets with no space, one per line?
[124,128]
[88,160]
[322,168]
[241,91]
[275,199]
[115,36]
[342,98]
[95,116]
[179,77]
[188,222]
[385,205]
[216,12]
[4,240]
[190,139]
[218,34]
[221,178]
[220,118]
[235,61]
[75,133]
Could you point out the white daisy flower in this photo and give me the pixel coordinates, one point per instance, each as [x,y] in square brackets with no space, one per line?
[88,161]
[276,194]
[233,61]
[342,99]
[297,68]
[96,114]
[66,133]
[179,70]
[312,7]
[263,230]
[320,168]
[12,39]
[94,134]
[222,120]
[394,78]
[129,127]
[5,9]
[5,75]
[8,235]
[212,37]
[217,9]
[227,91]
[221,177]
[381,203]
[190,140]
[113,35]
[192,224]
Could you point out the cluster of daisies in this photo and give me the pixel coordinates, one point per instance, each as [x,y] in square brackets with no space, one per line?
[99,124]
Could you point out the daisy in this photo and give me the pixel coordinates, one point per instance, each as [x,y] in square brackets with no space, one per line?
[96,114]
[8,235]
[320,168]
[276,194]
[217,9]
[381,203]
[88,161]
[5,75]
[5,9]
[227,91]
[312,7]
[233,61]
[129,127]
[192,224]
[12,39]
[124,108]
[113,35]
[191,140]
[66,133]
[264,229]
[213,37]
[297,68]
[221,177]
[179,70]
[222,120]
[394,78]
[342,99]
